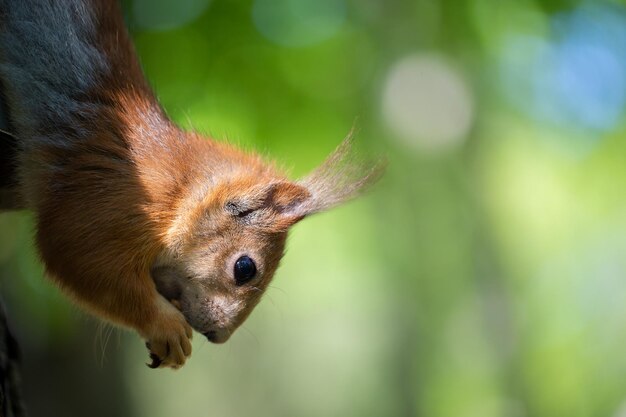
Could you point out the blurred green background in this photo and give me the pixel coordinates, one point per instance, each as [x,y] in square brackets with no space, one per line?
[485,276]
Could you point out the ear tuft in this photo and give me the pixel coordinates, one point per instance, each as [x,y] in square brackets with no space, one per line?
[340,178]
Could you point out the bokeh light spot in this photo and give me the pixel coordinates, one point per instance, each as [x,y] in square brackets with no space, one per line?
[580,83]
[576,79]
[298,22]
[427,103]
[166,15]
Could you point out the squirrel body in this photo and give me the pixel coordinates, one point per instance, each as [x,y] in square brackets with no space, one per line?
[141,223]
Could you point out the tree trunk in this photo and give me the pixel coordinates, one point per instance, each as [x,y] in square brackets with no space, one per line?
[10,392]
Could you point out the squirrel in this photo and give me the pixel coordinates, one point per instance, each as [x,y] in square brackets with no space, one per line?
[141,223]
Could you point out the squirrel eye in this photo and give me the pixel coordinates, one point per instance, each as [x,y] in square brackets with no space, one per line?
[245,270]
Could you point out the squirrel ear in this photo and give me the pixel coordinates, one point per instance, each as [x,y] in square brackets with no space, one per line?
[280,197]
[341,177]
[287,199]
[275,206]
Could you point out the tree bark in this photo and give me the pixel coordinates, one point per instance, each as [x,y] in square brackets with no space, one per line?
[10,386]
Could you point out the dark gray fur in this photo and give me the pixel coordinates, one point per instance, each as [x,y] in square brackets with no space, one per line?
[49,67]
[48,62]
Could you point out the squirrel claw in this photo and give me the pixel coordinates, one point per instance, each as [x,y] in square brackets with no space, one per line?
[156,361]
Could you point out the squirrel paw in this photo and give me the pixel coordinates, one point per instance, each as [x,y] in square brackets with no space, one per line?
[169,340]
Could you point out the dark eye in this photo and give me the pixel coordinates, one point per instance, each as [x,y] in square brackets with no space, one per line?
[245,270]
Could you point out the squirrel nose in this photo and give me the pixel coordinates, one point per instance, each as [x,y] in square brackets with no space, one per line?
[216,336]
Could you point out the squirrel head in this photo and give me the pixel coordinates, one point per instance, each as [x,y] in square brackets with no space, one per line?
[226,242]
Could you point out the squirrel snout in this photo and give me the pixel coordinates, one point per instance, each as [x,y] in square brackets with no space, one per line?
[217,336]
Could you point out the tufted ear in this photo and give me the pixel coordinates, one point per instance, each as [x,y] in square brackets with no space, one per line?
[280,197]
[340,178]
[277,206]
[274,207]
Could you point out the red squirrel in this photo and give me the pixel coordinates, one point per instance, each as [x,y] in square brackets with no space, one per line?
[141,223]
